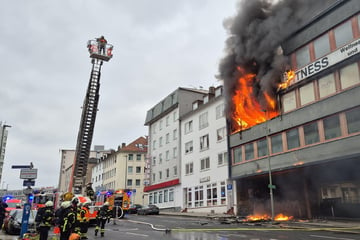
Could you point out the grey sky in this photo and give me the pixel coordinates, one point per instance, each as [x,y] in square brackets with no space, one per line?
[159,45]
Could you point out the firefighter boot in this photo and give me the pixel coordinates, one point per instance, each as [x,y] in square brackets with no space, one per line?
[96,231]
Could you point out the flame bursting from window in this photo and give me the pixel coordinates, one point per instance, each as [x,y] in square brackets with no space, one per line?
[289,76]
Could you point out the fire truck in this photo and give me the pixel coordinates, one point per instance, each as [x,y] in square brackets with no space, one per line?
[99,51]
[119,201]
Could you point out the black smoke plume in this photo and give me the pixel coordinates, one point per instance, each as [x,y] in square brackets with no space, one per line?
[255,37]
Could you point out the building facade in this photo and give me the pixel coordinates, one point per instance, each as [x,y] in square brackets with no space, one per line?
[163,175]
[311,150]
[204,164]
[3,140]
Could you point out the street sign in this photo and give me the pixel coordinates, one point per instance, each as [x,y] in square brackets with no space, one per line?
[229,186]
[272,186]
[28,173]
[29,182]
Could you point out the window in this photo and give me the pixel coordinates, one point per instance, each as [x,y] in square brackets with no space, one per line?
[138,170]
[160,196]
[220,111]
[154,144]
[154,161]
[138,157]
[292,138]
[326,85]
[160,175]
[222,158]
[199,196]
[174,134]
[166,195]
[130,169]
[171,195]
[167,155]
[131,157]
[289,101]
[175,116]
[238,155]
[276,143]
[167,172]
[249,151]
[189,197]
[160,158]
[137,182]
[223,192]
[204,142]
[203,120]
[155,197]
[332,127]
[322,46]
[211,192]
[353,120]
[175,152]
[262,148]
[167,120]
[349,75]
[160,124]
[343,34]
[129,182]
[311,133]
[205,163]
[175,170]
[221,133]
[302,57]
[167,138]
[307,94]
[189,168]
[188,127]
[153,177]
[160,142]
[150,198]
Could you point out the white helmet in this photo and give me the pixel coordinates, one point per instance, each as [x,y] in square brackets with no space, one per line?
[106,204]
[66,204]
[49,204]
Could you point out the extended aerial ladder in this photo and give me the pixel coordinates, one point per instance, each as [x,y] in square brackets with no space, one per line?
[99,51]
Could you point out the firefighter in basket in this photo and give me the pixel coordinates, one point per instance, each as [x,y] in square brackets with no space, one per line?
[104,214]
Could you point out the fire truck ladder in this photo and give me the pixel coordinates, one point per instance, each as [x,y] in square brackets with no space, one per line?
[88,116]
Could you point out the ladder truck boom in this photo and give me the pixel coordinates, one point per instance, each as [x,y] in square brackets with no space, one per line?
[99,51]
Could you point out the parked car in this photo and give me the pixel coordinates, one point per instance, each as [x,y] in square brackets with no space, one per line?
[134,208]
[148,209]
[12,223]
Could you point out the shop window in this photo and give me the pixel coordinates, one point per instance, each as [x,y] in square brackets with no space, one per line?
[327,85]
[166,195]
[289,101]
[262,147]
[353,120]
[223,193]
[292,137]
[349,75]
[307,94]
[322,46]
[343,34]
[276,143]
[311,133]
[199,196]
[237,155]
[189,197]
[249,151]
[332,127]
[211,194]
[302,57]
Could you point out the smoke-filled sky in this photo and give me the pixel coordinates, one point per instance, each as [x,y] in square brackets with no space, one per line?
[159,46]
[255,36]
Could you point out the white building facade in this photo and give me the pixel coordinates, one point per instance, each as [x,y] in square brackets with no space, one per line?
[204,168]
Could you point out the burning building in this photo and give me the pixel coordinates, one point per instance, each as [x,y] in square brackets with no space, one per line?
[292,87]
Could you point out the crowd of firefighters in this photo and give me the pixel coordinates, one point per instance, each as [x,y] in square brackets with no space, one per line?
[70,220]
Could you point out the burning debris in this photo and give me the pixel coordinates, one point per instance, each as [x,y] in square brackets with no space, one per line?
[266,218]
[254,64]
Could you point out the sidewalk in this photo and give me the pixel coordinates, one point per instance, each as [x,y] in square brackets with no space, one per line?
[350,225]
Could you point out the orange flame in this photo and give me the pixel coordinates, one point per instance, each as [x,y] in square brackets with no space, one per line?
[266,217]
[282,217]
[248,111]
[289,77]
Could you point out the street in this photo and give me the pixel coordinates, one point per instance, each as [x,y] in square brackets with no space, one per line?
[135,227]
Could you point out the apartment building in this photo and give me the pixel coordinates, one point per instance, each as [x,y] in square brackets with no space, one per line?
[163,175]
[123,169]
[311,150]
[204,156]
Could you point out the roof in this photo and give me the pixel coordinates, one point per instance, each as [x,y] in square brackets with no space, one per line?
[139,145]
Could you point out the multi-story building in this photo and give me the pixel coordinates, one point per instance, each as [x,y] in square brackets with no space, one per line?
[3,140]
[163,158]
[311,151]
[123,169]
[204,165]
[67,161]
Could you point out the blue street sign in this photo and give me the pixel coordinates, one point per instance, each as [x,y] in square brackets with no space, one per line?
[29,182]
[25,219]
[229,186]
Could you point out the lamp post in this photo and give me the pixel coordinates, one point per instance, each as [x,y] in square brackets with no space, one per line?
[269,166]
[3,128]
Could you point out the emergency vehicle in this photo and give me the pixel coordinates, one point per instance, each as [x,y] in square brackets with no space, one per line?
[119,201]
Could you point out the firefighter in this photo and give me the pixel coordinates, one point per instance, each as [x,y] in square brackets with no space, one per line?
[102,44]
[90,191]
[45,217]
[83,220]
[103,215]
[67,220]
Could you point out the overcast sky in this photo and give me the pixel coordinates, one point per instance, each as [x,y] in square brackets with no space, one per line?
[159,45]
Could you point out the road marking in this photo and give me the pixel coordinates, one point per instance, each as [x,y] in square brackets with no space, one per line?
[137,234]
[320,236]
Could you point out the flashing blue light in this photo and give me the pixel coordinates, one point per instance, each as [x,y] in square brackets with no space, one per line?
[129,193]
